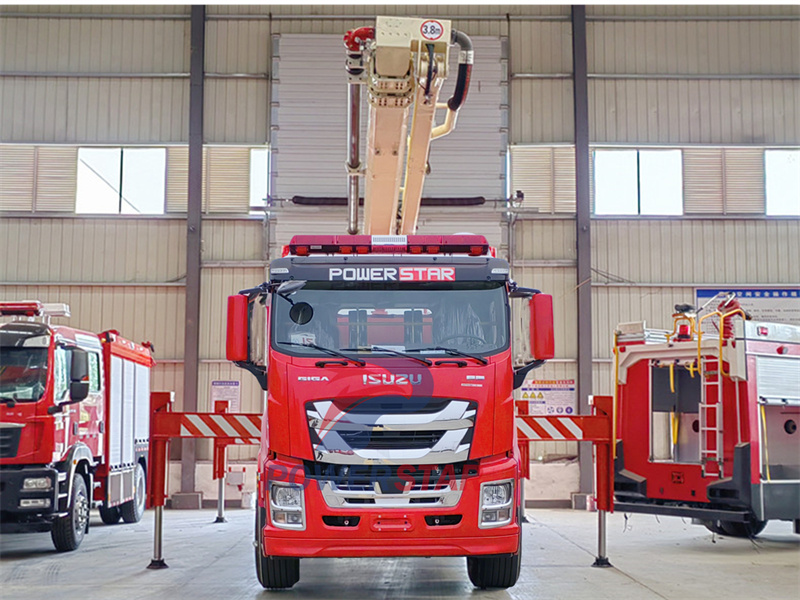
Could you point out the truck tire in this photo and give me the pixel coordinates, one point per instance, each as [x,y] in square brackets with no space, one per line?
[495,571]
[133,510]
[273,572]
[746,529]
[110,515]
[67,532]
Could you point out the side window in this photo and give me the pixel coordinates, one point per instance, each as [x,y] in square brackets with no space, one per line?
[61,373]
[94,372]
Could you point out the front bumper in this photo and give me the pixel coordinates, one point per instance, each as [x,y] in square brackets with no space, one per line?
[413,530]
[18,504]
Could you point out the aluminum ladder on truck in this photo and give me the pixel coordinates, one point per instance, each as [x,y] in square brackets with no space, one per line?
[710,413]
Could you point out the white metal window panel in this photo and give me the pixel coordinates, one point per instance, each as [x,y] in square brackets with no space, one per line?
[17,177]
[744,181]
[226,179]
[56,178]
[546,175]
[141,429]
[310,123]
[703,172]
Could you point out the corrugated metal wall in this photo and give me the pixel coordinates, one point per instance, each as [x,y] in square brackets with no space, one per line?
[682,75]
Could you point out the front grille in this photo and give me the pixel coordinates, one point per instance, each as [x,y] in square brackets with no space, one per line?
[9,440]
[389,430]
[387,440]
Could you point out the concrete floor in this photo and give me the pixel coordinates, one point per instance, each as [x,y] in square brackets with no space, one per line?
[652,558]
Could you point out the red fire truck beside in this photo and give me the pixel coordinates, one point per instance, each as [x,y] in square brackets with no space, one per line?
[708,417]
[389,428]
[74,424]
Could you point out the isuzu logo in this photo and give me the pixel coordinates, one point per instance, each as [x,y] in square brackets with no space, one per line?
[392,274]
[392,379]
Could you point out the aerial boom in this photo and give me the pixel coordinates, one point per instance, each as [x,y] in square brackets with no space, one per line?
[403,62]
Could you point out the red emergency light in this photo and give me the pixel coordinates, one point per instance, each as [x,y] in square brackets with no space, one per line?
[304,245]
[22,309]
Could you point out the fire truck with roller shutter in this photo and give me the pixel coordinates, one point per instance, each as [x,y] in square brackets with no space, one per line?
[386,357]
[74,424]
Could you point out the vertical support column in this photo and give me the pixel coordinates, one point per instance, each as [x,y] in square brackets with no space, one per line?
[583,231]
[193,240]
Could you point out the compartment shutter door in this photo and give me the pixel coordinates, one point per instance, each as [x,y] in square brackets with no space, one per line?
[309,140]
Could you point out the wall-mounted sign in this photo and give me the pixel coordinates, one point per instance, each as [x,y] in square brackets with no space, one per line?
[550,397]
[764,304]
[230,391]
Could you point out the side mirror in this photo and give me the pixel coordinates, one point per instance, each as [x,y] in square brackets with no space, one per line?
[542,334]
[247,332]
[78,390]
[237,342]
[79,375]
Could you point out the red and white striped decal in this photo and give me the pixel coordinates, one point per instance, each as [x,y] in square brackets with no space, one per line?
[221,426]
[549,428]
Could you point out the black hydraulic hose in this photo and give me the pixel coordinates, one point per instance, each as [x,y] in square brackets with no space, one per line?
[429,80]
[465,59]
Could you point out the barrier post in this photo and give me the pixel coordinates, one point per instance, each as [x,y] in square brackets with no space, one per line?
[220,447]
[160,402]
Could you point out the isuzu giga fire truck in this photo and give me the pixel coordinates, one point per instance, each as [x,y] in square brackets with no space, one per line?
[708,418]
[74,424]
[386,357]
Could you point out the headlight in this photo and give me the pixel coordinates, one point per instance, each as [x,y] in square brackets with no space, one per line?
[37,483]
[497,504]
[287,509]
[287,497]
[496,494]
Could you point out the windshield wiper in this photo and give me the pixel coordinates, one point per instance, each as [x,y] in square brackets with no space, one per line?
[451,352]
[357,361]
[11,401]
[424,361]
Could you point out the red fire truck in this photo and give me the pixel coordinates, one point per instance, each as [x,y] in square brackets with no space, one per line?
[389,428]
[708,418]
[74,424]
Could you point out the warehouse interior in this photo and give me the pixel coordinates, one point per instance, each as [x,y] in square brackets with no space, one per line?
[155,159]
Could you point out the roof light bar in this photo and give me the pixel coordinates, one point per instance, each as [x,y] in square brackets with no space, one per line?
[33,308]
[304,245]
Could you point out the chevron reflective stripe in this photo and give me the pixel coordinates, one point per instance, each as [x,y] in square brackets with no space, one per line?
[549,428]
[221,426]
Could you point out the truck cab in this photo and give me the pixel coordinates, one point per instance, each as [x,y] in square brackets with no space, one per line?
[389,426]
[61,424]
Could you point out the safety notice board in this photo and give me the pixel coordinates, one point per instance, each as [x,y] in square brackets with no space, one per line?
[550,397]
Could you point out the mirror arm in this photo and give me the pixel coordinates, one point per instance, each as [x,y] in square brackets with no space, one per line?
[259,371]
[521,372]
[516,291]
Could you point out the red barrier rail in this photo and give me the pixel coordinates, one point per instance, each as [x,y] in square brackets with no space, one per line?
[595,428]
[224,428]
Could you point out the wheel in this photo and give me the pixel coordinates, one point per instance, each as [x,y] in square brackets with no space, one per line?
[274,572]
[68,531]
[133,510]
[747,529]
[109,515]
[495,571]
[714,527]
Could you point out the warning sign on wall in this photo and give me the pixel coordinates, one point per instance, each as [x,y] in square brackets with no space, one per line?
[229,391]
[770,305]
[550,397]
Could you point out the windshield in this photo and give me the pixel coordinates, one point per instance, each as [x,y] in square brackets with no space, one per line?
[381,317]
[23,362]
